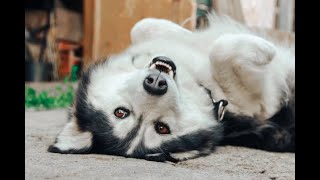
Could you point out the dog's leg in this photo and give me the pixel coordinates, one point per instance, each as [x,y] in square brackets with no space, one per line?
[160,157]
[276,134]
[72,140]
[242,65]
[176,157]
[244,58]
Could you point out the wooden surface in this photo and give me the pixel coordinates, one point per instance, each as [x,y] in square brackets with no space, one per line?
[231,8]
[282,36]
[261,14]
[108,22]
[88,30]
[68,25]
[285,20]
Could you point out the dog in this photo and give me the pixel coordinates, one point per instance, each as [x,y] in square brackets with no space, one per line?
[175,94]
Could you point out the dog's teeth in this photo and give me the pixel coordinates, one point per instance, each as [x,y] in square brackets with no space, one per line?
[162,66]
[153,66]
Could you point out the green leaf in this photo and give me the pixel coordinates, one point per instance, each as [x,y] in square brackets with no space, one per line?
[62,97]
[66,80]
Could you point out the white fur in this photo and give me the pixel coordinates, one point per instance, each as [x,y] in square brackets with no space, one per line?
[247,70]
[185,155]
[149,28]
[72,138]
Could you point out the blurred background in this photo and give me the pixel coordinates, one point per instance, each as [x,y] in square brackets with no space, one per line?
[63,36]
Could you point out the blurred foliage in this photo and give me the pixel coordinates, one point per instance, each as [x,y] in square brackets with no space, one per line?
[60,97]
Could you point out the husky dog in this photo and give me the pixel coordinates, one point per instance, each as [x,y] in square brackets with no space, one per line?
[176,94]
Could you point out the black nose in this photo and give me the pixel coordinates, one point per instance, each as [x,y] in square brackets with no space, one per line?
[155,84]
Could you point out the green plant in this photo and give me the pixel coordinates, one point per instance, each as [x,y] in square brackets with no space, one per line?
[60,97]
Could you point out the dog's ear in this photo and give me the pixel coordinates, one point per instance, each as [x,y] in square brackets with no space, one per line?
[149,28]
[72,140]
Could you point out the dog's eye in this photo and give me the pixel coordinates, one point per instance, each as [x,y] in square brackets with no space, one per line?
[162,128]
[121,112]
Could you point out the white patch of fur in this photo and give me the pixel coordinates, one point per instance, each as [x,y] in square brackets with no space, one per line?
[136,141]
[71,138]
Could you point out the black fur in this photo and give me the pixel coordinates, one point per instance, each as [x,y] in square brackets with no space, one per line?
[203,141]
[109,144]
[275,134]
[159,157]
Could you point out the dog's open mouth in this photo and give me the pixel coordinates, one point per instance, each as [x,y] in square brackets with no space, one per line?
[164,64]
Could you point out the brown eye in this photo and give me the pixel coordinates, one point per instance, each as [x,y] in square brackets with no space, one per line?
[121,112]
[162,128]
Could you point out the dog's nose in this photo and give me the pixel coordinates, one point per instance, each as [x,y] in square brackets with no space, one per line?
[155,84]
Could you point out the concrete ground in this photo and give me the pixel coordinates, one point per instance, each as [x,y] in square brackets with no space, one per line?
[238,163]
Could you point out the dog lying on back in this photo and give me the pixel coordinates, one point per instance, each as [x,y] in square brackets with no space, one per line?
[176,94]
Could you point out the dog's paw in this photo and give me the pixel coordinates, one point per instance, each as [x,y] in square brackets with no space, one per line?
[242,49]
[174,157]
[183,156]
[54,149]
[71,140]
[160,157]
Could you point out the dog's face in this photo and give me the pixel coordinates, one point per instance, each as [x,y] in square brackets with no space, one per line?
[150,101]
[146,105]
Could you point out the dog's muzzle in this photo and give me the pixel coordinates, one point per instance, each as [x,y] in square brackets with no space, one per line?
[155,83]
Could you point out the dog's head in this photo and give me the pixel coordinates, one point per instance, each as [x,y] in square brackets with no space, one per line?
[146,102]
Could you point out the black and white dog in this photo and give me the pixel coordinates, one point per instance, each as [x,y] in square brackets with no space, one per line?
[176,94]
